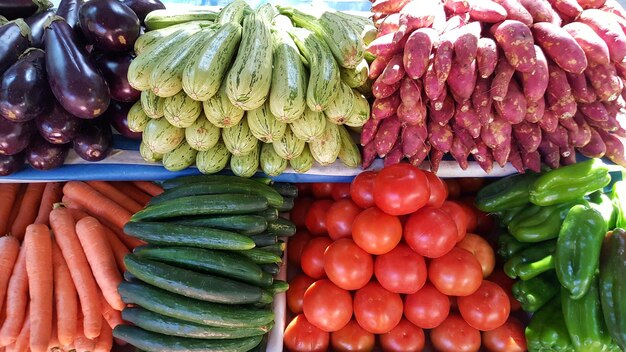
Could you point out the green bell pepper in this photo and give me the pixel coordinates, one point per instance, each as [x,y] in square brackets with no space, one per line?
[613,285]
[541,223]
[506,216]
[509,246]
[546,330]
[603,204]
[530,260]
[506,193]
[618,196]
[534,293]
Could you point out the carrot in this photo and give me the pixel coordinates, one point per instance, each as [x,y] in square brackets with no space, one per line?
[16,206]
[105,340]
[113,317]
[96,203]
[132,191]
[16,303]
[93,238]
[52,193]
[71,204]
[64,229]
[129,241]
[28,209]
[149,187]
[81,342]
[65,298]
[118,247]
[77,214]
[21,343]
[8,194]
[116,196]
[9,249]
[54,344]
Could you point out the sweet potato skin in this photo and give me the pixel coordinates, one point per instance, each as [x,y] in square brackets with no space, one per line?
[595,148]
[440,137]
[582,91]
[604,80]
[515,11]
[607,27]
[516,40]
[541,11]
[513,107]
[486,11]
[481,100]
[410,92]
[417,51]
[442,61]
[527,135]
[535,110]
[466,42]
[569,8]
[385,107]
[394,71]
[502,80]
[486,57]
[466,117]
[413,137]
[559,96]
[443,115]
[382,90]
[594,47]
[368,132]
[387,134]
[535,82]
[462,80]
[560,46]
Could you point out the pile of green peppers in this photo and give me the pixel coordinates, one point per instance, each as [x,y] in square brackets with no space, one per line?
[562,238]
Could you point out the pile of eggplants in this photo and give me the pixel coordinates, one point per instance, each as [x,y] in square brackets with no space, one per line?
[63,78]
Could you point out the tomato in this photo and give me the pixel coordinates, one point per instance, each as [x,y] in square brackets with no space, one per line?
[405,337]
[471,214]
[295,293]
[340,217]
[401,189]
[341,190]
[438,190]
[297,215]
[316,217]
[500,278]
[457,273]
[296,245]
[352,337]
[376,232]
[426,308]
[304,189]
[376,309]
[312,259]
[362,189]
[509,337]
[430,232]
[454,188]
[471,185]
[322,190]
[327,306]
[401,270]
[459,217]
[347,265]
[485,309]
[302,336]
[455,335]
[481,249]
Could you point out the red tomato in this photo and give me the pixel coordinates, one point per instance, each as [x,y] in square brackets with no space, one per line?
[401,189]
[296,245]
[405,337]
[457,273]
[471,214]
[500,278]
[376,232]
[313,257]
[341,190]
[352,337]
[327,306]
[438,190]
[297,215]
[347,265]
[426,308]
[295,293]
[362,189]
[471,185]
[455,335]
[430,232]
[481,249]
[454,188]
[376,309]
[322,190]
[340,217]
[304,189]
[302,336]
[401,270]
[316,217]
[459,216]
[485,309]
[509,337]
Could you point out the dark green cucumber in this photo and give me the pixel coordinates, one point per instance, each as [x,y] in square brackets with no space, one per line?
[234,186]
[214,204]
[243,224]
[193,310]
[279,286]
[179,181]
[286,189]
[223,263]
[182,235]
[270,214]
[286,206]
[262,346]
[151,341]
[131,278]
[281,227]
[277,248]
[264,239]
[260,256]
[272,269]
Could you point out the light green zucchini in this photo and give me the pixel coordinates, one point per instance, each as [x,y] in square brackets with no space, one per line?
[360,111]
[137,118]
[180,110]
[148,155]
[213,160]
[349,152]
[164,18]
[303,162]
[271,163]
[264,125]
[355,77]
[220,111]
[180,158]
[245,165]
[239,139]
[339,109]
[310,126]
[151,104]
[161,137]
[232,13]
[325,150]
[202,135]
[289,146]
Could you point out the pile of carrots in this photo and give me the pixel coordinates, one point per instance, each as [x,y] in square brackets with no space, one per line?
[61,260]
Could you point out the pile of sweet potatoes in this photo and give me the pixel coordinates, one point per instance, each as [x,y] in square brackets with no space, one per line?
[519,81]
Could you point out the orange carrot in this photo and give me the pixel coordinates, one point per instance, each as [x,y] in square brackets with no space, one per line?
[81,342]
[96,203]
[65,298]
[54,343]
[52,193]
[21,343]
[9,249]
[105,340]
[8,194]
[77,214]
[71,204]
[113,317]
[129,241]
[94,241]
[16,206]
[28,209]
[64,229]
[115,195]
[118,247]
[132,191]
[149,187]
[16,303]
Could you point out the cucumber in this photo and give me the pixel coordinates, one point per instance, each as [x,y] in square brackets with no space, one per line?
[191,284]
[289,146]
[131,278]
[360,111]
[349,152]
[272,268]
[287,205]
[355,77]
[264,239]
[152,105]
[148,155]
[277,248]
[163,18]
[326,149]
[220,111]
[180,110]
[243,224]
[154,342]
[162,324]
[151,39]
[239,139]
[232,13]
[180,158]
[286,189]
[245,165]
[184,180]
[202,135]
[303,162]
[270,214]
[164,233]
[260,256]
[161,137]
[310,126]
[339,109]
[137,118]
[271,163]
[279,286]
[264,125]
[281,227]
[214,159]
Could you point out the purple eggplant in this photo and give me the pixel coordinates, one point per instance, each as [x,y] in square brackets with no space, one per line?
[57,126]
[143,7]
[13,9]
[24,90]
[14,136]
[94,140]
[11,163]
[68,9]
[43,155]
[117,115]
[110,25]
[74,79]
[15,39]
[36,24]
[114,68]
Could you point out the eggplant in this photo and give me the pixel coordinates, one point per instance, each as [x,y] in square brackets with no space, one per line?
[74,79]
[143,7]
[15,39]
[117,115]
[11,163]
[14,136]
[43,155]
[68,9]
[13,9]
[110,25]
[24,90]
[114,68]
[36,24]
[57,126]
[94,140]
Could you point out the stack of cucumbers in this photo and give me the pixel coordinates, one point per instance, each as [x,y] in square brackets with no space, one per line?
[271,87]
[206,279]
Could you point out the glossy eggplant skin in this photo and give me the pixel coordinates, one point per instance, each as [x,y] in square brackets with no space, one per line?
[42,155]
[36,23]
[14,136]
[58,126]
[74,79]
[68,9]
[110,25]
[15,39]
[12,9]
[114,68]
[117,115]
[11,163]
[143,7]
[94,140]
[24,90]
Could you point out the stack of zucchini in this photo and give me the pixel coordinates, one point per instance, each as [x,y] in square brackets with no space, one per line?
[206,279]
[251,87]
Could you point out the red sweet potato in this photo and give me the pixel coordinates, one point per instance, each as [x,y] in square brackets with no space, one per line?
[515,11]
[388,6]
[417,51]
[614,7]
[497,133]
[433,87]
[515,158]
[549,121]
[595,111]
[559,96]
[568,155]
[516,40]
[513,107]
[464,136]
[466,117]
[591,4]
[594,47]
[486,56]
[466,42]
[595,148]
[535,82]
[560,46]
[369,154]
[435,156]
[527,135]
[378,66]
[502,80]
[535,110]
[481,100]
[395,155]
[368,132]
[386,46]
[614,147]
[394,71]
[462,80]
[420,155]
[607,27]
[620,69]
[541,11]
[443,115]
[550,153]
[442,60]
[569,123]
[440,137]
[460,152]
[457,6]
[387,134]
[559,137]
[569,8]
[410,92]
[417,14]
[581,90]
[381,90]
[437,103]
[483,156]
[565,108]
[501,153]
[413,137]
[531,160]
[453,23]
[412,115]
[605,82]
[385,107]
[582,135]
[611,124]
[486,11]
[389,24]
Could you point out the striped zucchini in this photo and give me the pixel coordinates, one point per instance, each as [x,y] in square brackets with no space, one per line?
[289,146]
[324,77]
[239,139]
[325,150]
[245,165]
[161,137]
[180,158]
[248,81]
[366,89]
[303,162]
[150,39]
[220,111]
[264,125]
[148,155]
[137,118]
[287,98]
[164,18]
[232,13]
[202,76]
[152,105]
[349,152]
[267,12]
[340,108]
[310,126]
[180,110]
[214,159]
[355,77]
[271,163]
[202,135]
[360,111]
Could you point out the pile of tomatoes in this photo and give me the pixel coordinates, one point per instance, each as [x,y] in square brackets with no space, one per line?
[390,257]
